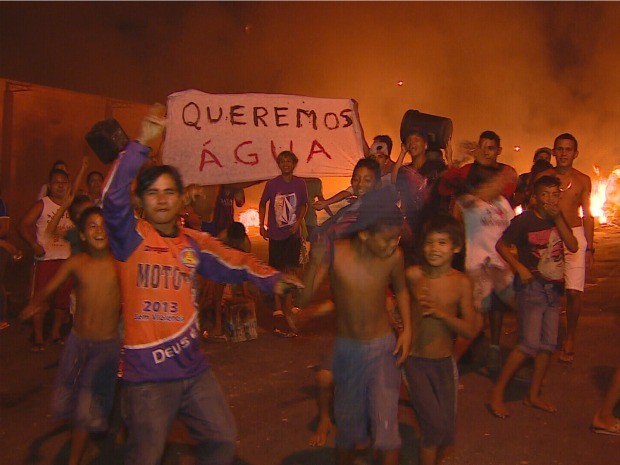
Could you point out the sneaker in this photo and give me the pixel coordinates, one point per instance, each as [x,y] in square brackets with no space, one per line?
[278,312]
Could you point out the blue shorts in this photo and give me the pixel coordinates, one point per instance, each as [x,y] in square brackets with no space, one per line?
[149,409]
[86,381]
[432,389]
[367,387]
[538,307]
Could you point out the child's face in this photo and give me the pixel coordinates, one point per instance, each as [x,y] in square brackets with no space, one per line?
[162,203]
[547,199]
[383,242]
[286,165]
[416,145]
[380,157]
[95,184]
[94,233]
[363,180]
[439,249]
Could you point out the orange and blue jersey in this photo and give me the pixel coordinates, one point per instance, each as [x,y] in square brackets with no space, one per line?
[157,275]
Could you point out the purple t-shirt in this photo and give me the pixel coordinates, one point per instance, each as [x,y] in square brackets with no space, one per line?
[284,199]
[539,245]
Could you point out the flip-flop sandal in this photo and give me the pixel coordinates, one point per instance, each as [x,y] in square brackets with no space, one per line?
[37,348]
[612,430]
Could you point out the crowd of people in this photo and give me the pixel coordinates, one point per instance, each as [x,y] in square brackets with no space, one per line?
[424,257]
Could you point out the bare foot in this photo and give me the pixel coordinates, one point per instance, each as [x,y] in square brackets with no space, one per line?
[497,407]
[319,438]
[540,404]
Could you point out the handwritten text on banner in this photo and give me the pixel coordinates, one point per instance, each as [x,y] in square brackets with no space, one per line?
[228,138]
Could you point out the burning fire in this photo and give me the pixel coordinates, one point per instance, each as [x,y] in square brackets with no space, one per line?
[604,199]
[605,196]
[249,218]
[598,195]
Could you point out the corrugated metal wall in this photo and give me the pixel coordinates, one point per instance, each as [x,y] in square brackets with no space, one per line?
[38,126]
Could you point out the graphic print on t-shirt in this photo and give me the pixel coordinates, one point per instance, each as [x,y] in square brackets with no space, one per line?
[285,206]
[547,247]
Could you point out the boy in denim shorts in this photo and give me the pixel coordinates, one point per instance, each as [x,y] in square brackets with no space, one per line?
[441,307]
[540,235]
[86,378]
[366,355]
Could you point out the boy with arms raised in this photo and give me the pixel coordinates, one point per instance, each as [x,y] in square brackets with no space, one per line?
[442,308]
[366,355]
[165,373]
[86,378]
[540,235]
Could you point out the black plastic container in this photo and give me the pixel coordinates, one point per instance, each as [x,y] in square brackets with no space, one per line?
[438,128]
[107,138]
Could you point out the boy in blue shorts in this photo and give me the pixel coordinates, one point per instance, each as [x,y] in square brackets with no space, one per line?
[367,353]
[539,235]
[441,308]
[86,378]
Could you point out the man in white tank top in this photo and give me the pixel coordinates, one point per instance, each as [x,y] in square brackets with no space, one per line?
[49,252]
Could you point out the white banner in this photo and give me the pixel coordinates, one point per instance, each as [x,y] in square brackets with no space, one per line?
[228,138]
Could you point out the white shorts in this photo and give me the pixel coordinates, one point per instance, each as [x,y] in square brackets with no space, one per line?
[489,279]
[575,262]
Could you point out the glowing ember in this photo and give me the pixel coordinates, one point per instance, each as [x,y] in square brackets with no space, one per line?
[399,83]
[249,218]
[517,148]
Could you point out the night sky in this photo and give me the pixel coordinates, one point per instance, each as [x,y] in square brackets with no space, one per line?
[529,71]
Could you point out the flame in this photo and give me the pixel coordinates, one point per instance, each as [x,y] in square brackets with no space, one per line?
[249,218]
[598,197]
[605,196]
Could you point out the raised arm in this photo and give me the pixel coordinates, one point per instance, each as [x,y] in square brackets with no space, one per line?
[399,163]
[117,208]
[357,113]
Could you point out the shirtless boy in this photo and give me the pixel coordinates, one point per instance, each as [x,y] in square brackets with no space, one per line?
[539,235]
[441,307]
[86,377]
[366,178]
[367,353]
[575,191]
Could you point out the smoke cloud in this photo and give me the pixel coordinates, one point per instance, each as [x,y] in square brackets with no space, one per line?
[529,71]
